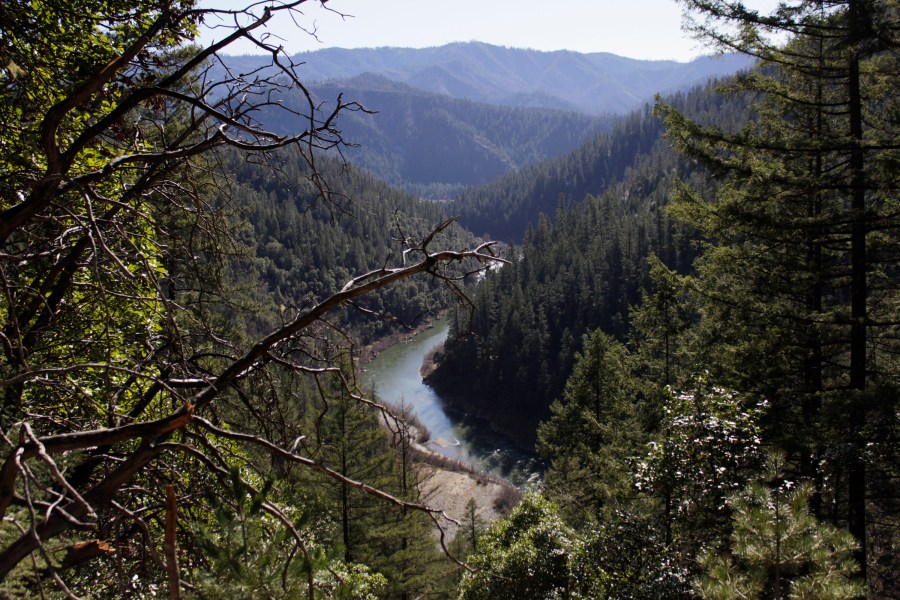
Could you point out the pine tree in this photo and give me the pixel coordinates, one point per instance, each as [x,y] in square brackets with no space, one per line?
[780,550]
[797,281]
[356,446]
[591,434]
[400,543]
[658,324]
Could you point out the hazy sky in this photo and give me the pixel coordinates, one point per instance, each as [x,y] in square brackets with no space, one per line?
[645,29]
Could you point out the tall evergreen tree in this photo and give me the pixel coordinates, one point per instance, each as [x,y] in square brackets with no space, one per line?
[354,444]
[798,278]
[591,434]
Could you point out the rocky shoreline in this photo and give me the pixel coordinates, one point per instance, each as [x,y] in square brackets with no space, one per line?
[430,363]
[444,483]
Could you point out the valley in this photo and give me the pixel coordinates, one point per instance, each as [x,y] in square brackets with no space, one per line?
[419,128]
[462,321]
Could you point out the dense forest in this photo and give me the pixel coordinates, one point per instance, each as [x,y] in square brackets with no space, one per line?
[590,221]
[435,146]
[292,248]
[725,424]
[634,150]
[432,145]
[436,120]
[694,324]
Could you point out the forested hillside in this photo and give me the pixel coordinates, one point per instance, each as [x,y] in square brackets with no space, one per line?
[180,292]
[588,223]
[434,146]
[696,325]
[725,424]
[634,148]
[299,248]
[425,130]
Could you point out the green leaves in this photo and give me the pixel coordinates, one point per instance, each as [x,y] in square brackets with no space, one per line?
[779,550]
[526,555]
[709,444]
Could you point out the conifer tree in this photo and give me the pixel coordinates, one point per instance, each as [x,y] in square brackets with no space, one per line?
[797,280]
[401,542]
[658,324]
[472,528]
[591,433]
[354,444]
[780,550]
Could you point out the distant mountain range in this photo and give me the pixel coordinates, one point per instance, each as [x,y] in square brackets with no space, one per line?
[434,146]
[595,84]
[467,113]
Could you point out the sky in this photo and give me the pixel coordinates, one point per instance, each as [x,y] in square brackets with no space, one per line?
[643,29]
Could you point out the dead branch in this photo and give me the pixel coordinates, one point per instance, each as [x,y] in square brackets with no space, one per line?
[154,433]
[103,159]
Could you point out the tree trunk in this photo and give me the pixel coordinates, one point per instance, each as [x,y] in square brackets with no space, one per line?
[858,290]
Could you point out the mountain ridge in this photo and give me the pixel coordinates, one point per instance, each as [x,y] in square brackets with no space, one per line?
[434,145]
[592,83]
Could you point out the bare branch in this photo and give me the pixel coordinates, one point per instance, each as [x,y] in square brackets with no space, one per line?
[274,449]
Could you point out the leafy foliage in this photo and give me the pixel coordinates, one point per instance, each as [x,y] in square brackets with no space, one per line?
[709,444]
[524,556]
[626,556]
[779,550]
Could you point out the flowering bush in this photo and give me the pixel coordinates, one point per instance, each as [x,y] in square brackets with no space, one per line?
[710,446]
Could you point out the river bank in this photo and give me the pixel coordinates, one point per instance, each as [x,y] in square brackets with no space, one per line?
[401,376]
[450,491]
[371,351]
[450,473]
[448,485]
[511,442]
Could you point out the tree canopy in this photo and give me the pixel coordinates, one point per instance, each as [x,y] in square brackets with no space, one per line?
[786,299]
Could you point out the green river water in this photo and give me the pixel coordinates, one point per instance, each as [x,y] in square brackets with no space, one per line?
[394,375]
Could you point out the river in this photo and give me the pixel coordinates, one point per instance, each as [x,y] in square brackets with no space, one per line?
[395,377]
